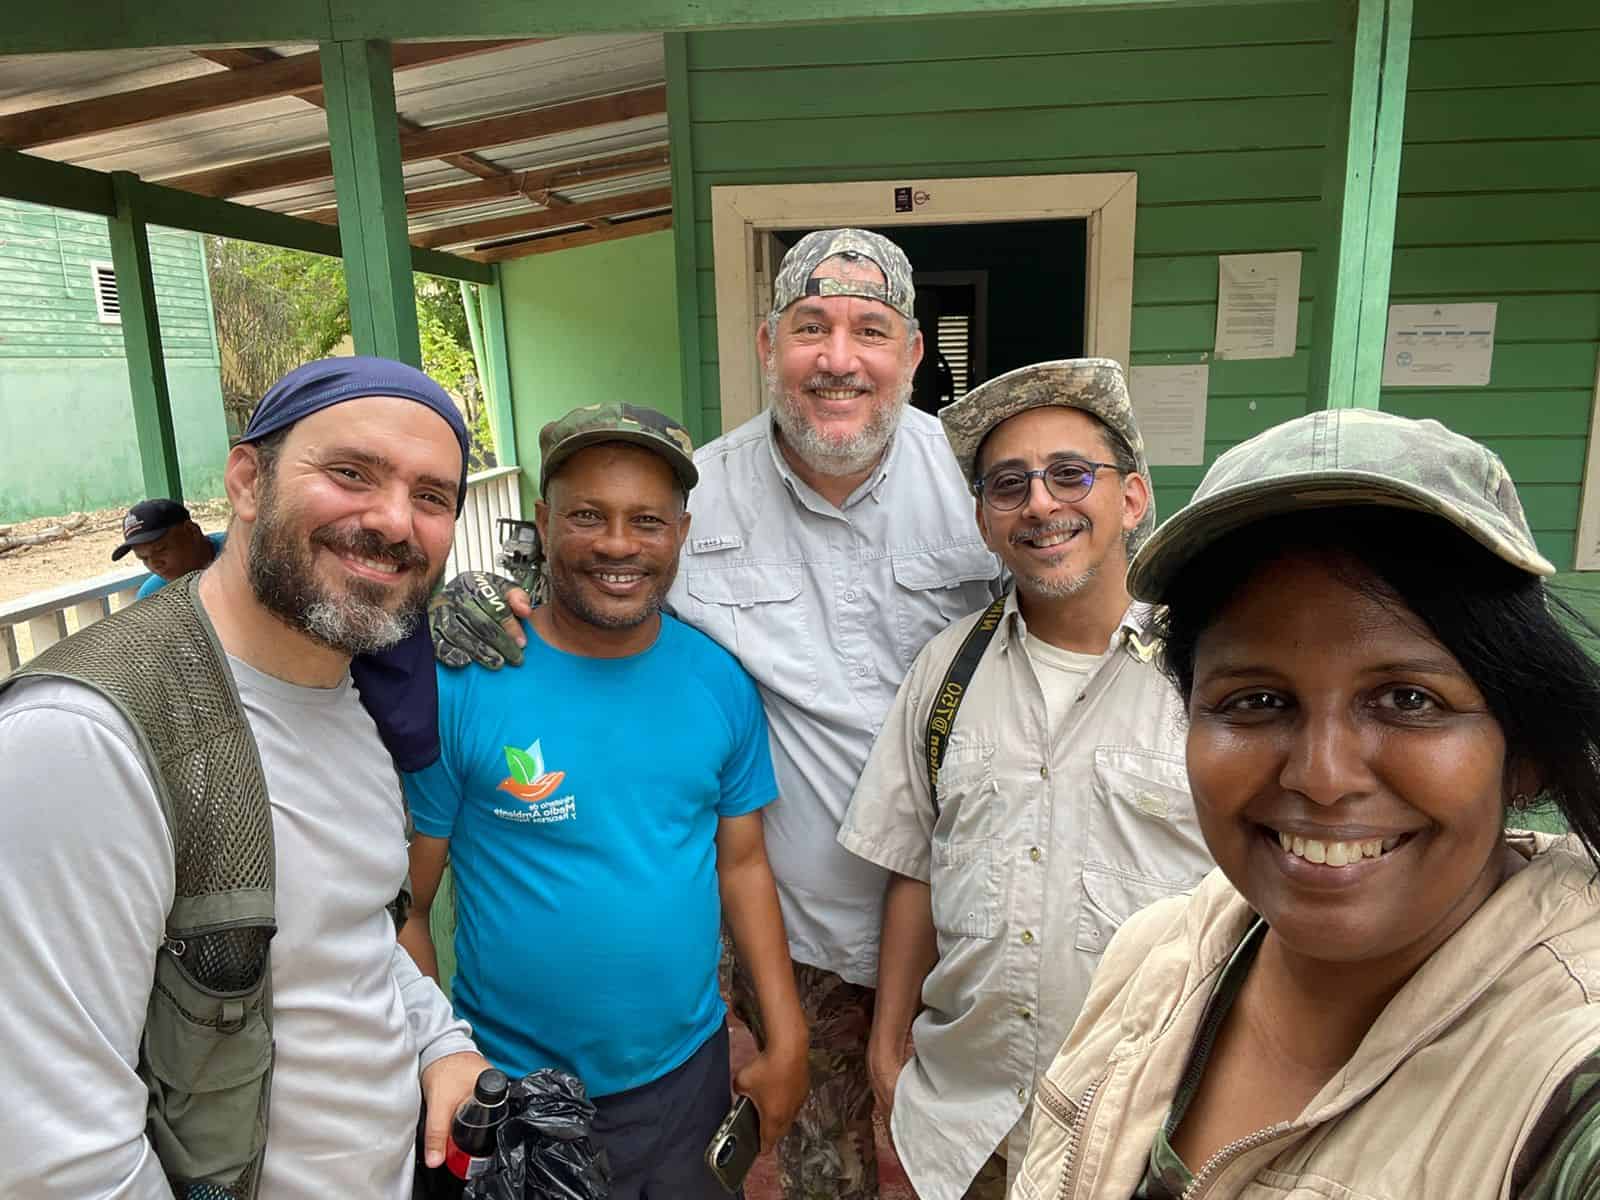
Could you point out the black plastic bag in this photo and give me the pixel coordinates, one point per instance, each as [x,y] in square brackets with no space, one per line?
[546,1151]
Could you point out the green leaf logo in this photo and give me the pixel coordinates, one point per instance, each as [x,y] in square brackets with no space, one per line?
[525,765]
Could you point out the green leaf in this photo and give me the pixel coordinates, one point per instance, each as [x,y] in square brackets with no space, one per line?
[524,769]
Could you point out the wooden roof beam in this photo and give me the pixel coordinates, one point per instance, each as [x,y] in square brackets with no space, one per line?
[285,170]
[566,241]
[299,75]
[549,218]
[523,183]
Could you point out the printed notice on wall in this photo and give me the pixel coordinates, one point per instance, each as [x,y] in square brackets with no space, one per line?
[1169,403]
[1439,345]
[1258,305]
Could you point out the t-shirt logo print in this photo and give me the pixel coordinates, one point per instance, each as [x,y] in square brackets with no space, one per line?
[529,781]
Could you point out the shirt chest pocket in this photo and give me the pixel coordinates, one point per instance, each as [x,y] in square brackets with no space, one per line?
[1143,841]
[965,874]
[935,587]
[757,611]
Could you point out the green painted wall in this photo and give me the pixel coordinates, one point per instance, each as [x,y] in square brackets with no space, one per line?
[66,421]
[1223,112]
[590,325]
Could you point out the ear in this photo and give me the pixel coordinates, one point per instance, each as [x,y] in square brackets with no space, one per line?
[982,518]
[916,349]
[683,530]
[242,479]
[1135,500]
[763,343]
[541,522]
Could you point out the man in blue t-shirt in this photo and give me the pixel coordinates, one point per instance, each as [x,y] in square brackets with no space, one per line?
[166,539]
[601,810]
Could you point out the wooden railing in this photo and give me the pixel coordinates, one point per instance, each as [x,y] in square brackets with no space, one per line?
[41,619]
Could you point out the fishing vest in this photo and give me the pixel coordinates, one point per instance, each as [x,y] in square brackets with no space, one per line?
[206,1053]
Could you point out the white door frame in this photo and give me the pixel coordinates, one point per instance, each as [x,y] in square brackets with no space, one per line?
[1106,200]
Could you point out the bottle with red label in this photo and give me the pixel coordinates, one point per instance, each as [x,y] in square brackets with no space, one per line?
[470,1150]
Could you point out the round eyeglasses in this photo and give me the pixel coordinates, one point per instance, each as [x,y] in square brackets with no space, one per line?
[1068,479]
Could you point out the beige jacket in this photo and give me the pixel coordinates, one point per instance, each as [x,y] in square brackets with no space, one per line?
[1437,1102]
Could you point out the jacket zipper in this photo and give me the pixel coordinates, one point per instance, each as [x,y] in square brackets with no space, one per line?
[1220,1159]
[1075,1130]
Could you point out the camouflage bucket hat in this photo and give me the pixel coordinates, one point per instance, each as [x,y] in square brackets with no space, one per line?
[810,252]
[596,423]
[1097,386]
[1344,457]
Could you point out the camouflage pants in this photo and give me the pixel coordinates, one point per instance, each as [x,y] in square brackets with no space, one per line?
[831,1153]
[991,1181]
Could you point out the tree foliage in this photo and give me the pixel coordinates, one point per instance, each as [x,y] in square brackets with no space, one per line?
[278,308]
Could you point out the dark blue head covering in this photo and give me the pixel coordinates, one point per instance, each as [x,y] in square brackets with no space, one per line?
[329,381]
[397,686]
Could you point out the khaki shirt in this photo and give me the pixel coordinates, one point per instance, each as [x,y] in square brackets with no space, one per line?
[826,607]
[1041,844]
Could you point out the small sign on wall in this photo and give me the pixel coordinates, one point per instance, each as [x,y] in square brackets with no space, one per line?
[1439,345]
[1586,554]
[1170,405]
[1258,305]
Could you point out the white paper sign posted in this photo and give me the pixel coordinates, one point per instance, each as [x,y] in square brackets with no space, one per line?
[1170,405]
[1258,304]
[1439,345]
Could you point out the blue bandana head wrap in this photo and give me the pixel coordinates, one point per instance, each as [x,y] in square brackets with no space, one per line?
[397,685]
[329,381]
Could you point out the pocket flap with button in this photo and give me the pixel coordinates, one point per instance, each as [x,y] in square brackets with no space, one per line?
[948,567]
[747,583]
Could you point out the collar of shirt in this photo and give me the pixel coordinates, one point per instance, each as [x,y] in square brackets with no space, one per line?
[807,495]
[1132,632]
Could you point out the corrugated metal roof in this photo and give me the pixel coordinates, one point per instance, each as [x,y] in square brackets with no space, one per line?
[505,80]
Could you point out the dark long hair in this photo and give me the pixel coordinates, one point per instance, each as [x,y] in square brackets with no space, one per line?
[1517,640]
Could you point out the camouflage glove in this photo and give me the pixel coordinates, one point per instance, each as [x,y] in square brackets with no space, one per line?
[465,619]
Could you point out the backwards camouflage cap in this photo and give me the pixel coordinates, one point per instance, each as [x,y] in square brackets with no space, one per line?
[595,423]
[810,252]
[1097,386]
[1342,457]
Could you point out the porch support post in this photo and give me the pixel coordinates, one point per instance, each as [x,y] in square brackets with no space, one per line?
[1361,188]
[141,340]
[364,137]
[502,414]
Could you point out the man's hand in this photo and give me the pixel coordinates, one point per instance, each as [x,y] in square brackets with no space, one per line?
[777,1081]
[446,1084]
[473,618]
[884,1063]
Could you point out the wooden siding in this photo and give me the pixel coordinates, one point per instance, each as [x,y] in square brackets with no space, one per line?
[47,302]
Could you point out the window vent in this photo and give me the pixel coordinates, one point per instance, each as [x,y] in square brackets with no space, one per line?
[107,305]
[954,337]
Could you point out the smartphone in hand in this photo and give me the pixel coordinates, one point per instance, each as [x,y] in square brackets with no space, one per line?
[735,1145]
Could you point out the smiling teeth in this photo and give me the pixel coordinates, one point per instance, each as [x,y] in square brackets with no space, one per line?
[1051,539]
[618,578]
[838,393]
[388,568]
[1336,854]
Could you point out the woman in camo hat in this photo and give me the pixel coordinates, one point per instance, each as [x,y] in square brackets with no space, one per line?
[1381,992]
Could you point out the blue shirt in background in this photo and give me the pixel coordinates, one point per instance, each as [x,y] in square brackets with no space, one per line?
[154,583]
[581,798]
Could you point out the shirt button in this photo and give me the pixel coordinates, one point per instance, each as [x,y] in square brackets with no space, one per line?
[1022,1094]
[1044,772]
[850,596]
[1035,853]
[1025,1013]
[1027,937]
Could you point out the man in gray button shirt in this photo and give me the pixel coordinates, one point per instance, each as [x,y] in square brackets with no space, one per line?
[832,538]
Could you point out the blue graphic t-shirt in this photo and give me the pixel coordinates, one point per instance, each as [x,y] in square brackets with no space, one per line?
[154,583]
[581,798]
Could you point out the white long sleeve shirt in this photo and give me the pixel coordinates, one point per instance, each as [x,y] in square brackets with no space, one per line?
[86,879]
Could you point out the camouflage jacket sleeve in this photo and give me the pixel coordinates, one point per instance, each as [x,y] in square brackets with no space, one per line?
[1561,1159]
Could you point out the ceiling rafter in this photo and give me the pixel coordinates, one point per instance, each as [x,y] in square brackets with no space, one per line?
[549,218]
[567,241]
[264,78]
[308,166]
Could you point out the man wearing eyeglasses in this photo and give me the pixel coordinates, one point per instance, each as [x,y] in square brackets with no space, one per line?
[1027,791]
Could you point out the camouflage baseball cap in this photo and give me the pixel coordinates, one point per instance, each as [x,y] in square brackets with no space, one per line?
[1095,385]
[810,252]
[595,423]
[1341,457]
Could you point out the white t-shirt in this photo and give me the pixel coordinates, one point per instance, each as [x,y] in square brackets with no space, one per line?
[86,879]
[1063,674]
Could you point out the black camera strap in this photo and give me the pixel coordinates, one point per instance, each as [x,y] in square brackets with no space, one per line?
[947,701]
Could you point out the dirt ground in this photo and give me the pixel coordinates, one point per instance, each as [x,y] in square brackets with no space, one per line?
[86,554]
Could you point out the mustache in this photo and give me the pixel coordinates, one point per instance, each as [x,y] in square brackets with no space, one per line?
[365,543]
[819,380]
[1070,525]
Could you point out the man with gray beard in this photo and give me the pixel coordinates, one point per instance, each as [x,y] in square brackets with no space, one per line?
[200,854]
[1029,807]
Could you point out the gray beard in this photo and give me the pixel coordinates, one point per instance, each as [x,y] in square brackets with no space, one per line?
[823,455]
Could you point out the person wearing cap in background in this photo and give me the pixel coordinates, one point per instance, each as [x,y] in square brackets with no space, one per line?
[345,489]
[593,804]
[832,539]
[1382,991]
[166,540]
[1060,806]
